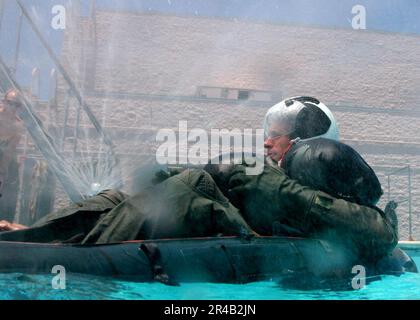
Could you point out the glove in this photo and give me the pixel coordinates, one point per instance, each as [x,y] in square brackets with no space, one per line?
[221,173]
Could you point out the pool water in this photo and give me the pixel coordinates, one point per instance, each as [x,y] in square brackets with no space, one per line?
[82,287]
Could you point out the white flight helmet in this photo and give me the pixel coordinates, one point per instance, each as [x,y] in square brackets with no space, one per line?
[302,117]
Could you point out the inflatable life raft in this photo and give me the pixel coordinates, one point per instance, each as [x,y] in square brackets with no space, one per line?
[217,259]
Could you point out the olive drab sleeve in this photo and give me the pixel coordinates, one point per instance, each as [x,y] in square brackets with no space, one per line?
[368,228]
[273,196]
[70,223]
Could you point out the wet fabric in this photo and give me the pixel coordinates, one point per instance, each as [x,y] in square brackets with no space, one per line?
[185,205]
[190,204]
[70,224]
[273,196]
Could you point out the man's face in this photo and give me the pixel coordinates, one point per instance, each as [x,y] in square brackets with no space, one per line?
[277,142]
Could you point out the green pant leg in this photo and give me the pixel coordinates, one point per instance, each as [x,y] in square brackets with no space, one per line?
[186,205]
[103,201]
[74,220]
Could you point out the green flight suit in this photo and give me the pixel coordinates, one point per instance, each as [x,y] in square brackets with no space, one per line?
[188,204]
[272,196]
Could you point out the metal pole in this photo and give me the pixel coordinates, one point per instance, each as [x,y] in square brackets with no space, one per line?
[76,132]
[408,199]
[92,8]
[69,81]
[36,83]
[1,12]
[52,99]
[112,159]
[17,49]
[66,117]
[42,140]
[398,170]
[52,94]
[410,225]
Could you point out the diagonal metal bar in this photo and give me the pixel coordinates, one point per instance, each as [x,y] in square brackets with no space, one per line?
[69,81]
[42,140]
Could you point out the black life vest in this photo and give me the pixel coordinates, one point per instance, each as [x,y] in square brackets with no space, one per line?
[334,168]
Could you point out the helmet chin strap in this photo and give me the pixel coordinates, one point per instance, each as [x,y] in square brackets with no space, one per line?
[291,143]
[295,140]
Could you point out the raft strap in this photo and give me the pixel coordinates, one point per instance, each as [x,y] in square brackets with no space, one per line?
[152,252]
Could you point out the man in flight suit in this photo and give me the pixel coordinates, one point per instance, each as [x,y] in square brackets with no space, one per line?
[215,201]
